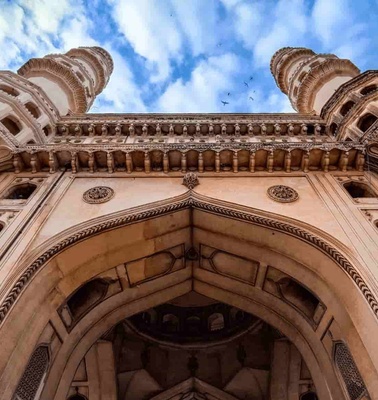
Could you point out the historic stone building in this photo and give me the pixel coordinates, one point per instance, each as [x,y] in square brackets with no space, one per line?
[188,256]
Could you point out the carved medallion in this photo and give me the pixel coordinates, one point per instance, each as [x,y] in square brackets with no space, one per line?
[98,194]
[190,180]
[282,194]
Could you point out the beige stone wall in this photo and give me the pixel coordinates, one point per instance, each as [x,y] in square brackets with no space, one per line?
[56,210]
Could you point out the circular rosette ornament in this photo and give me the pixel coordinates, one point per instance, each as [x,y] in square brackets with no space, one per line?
[283,194]
[98,194]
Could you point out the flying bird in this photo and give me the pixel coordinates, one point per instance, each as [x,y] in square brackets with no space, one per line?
[246,84]
[225,102]
[250,78]
[251,98]
[228,93]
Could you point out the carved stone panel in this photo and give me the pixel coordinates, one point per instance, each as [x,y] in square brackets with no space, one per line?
[156,265]
[228,264]
[295,294]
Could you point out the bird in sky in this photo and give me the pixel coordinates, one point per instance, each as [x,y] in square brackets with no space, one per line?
[251,98]
[250,78]
[225,102]
[246,84]
[228,93]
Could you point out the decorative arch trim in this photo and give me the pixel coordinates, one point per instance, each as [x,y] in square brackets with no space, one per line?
[190,200]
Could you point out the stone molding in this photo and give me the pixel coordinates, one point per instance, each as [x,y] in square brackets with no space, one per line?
[82,52]
[190,200]
[63,74]
[315,79]
[105,54]
[279,64]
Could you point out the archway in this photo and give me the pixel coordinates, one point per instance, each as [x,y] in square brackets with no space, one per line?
[196,240]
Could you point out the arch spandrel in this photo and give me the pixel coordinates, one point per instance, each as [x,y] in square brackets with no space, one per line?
[53,291]
[70,210]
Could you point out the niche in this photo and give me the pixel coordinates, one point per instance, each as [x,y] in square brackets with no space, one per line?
[20,192]
[33,109]
[77,397]
[359,190]
[215,322]
[13,126]
[346,107]
[366,90]
[297,295]
[333,128]
[9,90]
[86,297]
[170,323]
[47,130]
[309,396]
[365,122]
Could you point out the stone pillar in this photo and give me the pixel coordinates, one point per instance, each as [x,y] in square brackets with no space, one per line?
[280,370]
[102,380]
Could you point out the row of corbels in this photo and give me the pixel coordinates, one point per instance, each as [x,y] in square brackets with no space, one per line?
[54,164]
[106,128]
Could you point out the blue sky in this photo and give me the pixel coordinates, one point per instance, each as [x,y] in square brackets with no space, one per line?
[187,55]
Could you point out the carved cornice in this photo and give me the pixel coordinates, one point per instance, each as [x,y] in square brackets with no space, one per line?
[63,74]
[184,147]
[316,78]
[192,118]
[92,60]
[224,209]
[106,55]
[279,63]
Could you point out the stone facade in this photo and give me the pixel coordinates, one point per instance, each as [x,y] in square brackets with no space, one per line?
[180,256]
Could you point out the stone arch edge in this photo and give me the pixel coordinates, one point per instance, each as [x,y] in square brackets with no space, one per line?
[190,200]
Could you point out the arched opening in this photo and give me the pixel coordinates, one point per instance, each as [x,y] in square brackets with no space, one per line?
[20,192]
[347,107]
[170,323]
[309,396]
[368,89]
[13,125]
[365,122]
[215,322]
[359,190]
[9,90]
[333,128]
[87,297]
[47,130]
[77,397]
[314,268]
[33,109]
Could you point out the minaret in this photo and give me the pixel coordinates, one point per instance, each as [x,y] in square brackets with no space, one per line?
[72,80]
[310,79]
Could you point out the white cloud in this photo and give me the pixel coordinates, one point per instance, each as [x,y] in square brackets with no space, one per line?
[152,32]
[202,93]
